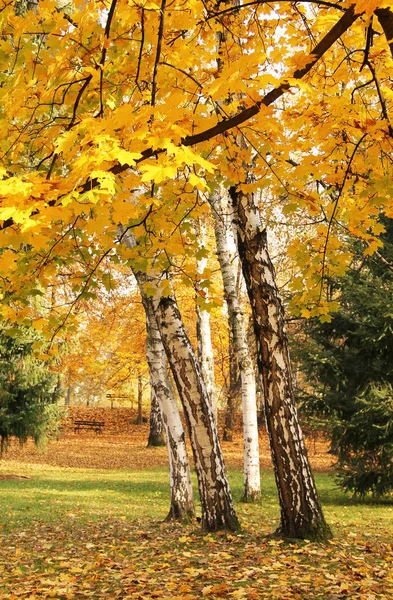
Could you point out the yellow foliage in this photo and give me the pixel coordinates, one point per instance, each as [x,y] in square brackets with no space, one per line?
[101,127]
[369,6]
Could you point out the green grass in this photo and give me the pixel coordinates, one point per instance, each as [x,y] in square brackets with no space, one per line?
[54,494]
[79,533]
[91,494]
[83,493]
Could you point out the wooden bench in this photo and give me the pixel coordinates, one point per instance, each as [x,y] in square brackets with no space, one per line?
[96,426]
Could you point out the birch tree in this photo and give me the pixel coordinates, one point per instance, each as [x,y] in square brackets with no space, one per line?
[227,257]
[204,338]
[156,428]
[182,500]
[301,512]
[97,103]
[218,511]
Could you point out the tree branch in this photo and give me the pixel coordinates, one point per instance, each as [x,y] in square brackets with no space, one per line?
[385,17]
[344,23]
[335,206]
[141,46]
[158,52]
[316,54]
[256,2]
[104,52]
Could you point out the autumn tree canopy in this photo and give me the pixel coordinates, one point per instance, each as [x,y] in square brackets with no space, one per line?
[130,112]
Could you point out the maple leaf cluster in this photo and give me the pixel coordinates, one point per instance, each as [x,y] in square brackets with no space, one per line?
[132,113]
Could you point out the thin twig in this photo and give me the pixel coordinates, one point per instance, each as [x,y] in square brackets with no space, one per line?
[246,4]
[183,72]
[369,43]
[158,52]
[140,47]
[104,53]
[335,206]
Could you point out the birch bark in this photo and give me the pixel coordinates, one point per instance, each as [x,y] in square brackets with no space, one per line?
[216,500]
[204,339]
[233,388]
[156,426]
[182,501]
[227,257]
[301,512]
[218,511]
[139,418]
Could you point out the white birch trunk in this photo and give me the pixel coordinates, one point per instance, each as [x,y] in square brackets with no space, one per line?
[227,257]
[139,419]
[182,501]
[233,390]
[216,500]
[156,426]
[204,338]
[218,511]
[301,512]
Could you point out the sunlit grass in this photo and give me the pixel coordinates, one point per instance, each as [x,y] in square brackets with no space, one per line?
[54,494]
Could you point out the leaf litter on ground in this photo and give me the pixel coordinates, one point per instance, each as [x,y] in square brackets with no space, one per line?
[73,531]
[118,559]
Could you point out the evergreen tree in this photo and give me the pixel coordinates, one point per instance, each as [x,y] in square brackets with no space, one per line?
[28,390]
[349,369]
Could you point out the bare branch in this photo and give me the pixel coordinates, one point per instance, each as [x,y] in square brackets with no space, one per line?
[141,46]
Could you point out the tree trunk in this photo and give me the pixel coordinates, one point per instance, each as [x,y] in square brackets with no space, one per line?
[182,500]
[226,252]
[301,512]
[217,506]
[67,401]
[203,329]
[218,511]
[232,391]
[139,419]
[156,430]
[385,17]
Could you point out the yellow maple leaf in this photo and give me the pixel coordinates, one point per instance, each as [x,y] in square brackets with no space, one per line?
[105,179]
[157,173]
[367,6]
[7,260]
[300,60]
[123,211]
[125,157]
[197,182]
[65,141]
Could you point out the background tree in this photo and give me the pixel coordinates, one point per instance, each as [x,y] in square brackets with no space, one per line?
[28,389]
[348,362]
[99,359]
[237,316]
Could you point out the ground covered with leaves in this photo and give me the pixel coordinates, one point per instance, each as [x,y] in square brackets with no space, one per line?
[97,531]
[123,445]
[113,558]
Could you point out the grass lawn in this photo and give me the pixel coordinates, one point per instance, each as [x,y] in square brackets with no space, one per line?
[98,533]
